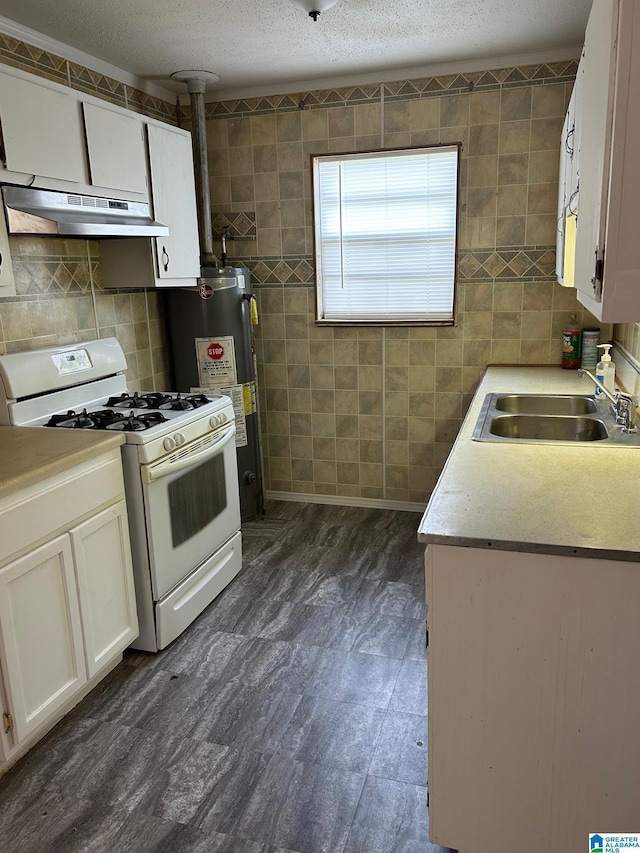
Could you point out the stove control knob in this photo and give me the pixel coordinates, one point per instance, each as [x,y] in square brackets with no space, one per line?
[168,444]
[214,421]
[223,417]
[179,439]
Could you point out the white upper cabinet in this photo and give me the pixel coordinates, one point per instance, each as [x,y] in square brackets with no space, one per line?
[42,129]
[116,149]
[607,256]
[174,201]
[172,261]
[569,185]
[60,139]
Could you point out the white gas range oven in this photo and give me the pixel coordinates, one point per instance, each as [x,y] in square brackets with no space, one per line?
[179,464]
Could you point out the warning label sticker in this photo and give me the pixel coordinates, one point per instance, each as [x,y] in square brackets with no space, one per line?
[216,361]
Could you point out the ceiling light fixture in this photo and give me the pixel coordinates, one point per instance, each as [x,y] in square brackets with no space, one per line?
[314,7]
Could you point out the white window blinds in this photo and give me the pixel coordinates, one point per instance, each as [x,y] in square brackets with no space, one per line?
[385,227]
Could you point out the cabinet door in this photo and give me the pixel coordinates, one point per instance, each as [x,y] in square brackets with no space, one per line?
[174,202]
[115,143]
[105,584]
[42,130]
[563,187]
[595,143]
[7,286]
[40,635]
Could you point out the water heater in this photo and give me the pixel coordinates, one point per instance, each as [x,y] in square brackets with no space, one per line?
[211,339]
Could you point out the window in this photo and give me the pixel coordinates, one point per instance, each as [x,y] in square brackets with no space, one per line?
[385,229]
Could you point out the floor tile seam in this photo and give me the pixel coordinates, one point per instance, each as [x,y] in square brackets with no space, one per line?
[351,648]
[394,779]
[350,651]
[320,695]
[237,748]
[270,843]
[280,753]
[355,813]
[375,747]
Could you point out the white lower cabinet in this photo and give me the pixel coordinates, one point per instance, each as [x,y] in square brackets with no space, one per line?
[534,699]
[105,586]
[41,635]
[67,605]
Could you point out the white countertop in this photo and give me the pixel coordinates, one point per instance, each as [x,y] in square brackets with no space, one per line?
[580,499]
[31,454]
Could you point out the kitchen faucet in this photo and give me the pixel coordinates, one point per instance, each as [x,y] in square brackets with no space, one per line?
[623,406]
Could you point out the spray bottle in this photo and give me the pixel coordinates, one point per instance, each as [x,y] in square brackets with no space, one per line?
[606,370]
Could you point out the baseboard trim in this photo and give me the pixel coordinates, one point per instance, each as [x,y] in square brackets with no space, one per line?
[337,500]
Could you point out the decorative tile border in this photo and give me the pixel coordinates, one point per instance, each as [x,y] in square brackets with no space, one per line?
[40,274]
[149,105]
[30,58]
[99,85]
[289,271]
[34,59]
[507,264]
[453,84]
[240,225]
[523,263]
[19,54]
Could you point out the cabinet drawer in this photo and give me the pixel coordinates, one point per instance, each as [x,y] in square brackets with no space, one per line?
[57,503]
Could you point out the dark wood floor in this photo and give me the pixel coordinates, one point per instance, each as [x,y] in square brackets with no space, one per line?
[289,718]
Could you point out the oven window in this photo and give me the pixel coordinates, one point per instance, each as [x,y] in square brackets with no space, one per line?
[197,498]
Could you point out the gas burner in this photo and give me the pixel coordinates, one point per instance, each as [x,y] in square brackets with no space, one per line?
[72,420]
[134,401]
[198,400]
[56,420]
[102,418]
[137,423]
[154,399]
[183,403]
[177,403]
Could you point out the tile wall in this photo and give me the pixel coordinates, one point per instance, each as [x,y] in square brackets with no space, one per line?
[372,413]
[60,298]
[353,413]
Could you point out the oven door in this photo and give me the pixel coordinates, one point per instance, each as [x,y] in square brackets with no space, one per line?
[192,506]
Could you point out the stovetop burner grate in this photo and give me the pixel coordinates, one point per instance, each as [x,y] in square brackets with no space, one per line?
[107,419]
[137,422]
[157,400]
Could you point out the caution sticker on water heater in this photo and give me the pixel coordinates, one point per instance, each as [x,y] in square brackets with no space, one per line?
[216,361]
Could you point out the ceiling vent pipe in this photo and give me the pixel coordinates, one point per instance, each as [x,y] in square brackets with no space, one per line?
[196,84]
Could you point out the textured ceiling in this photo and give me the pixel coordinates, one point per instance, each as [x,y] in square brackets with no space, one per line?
[273,46]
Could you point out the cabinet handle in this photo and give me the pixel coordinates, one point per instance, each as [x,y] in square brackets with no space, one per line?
[0,263]
[165,259]
[567,145]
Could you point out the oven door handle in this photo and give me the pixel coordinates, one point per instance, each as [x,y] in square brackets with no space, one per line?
[164,468]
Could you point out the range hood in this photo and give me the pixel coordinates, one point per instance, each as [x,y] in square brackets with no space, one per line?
[32,211]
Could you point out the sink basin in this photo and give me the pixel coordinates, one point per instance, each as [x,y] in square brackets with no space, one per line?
[545,404]
[548,428]
[550,419]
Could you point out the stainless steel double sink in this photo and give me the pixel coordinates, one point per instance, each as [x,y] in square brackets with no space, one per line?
[548,418]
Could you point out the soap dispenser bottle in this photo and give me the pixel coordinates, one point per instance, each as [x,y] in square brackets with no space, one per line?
[606,370]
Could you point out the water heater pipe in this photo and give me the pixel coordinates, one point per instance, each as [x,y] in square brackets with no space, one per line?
[196,84]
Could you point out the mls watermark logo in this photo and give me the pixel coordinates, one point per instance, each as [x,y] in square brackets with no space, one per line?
[604,842]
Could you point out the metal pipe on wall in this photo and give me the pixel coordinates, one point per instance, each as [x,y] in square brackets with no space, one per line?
[196,84]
